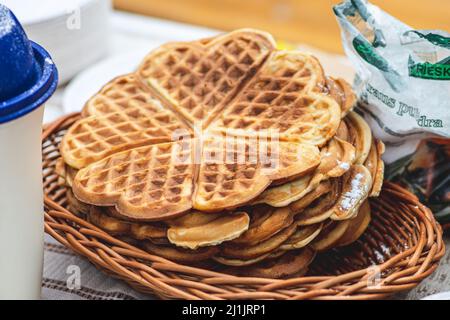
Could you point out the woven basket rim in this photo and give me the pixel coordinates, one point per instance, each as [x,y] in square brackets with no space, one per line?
[152,274]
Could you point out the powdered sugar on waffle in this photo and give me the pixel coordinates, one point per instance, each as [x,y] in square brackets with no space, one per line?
[351,197]
[343,165]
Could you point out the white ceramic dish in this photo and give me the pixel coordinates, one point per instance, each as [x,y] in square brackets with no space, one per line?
[75,32]
[33,12]
[90,81]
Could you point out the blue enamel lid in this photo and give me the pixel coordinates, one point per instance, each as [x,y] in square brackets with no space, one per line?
[28,76]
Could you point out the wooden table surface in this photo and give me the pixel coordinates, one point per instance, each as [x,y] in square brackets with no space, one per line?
[300,21]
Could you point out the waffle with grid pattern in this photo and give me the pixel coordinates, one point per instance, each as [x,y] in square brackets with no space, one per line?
[199,78]
[282,98]
[147,183]
[315,207]
[351,145]
[234,170]
[122,116]
[250,242]
[226,150]
[249,236]
[243,241]
[132,115]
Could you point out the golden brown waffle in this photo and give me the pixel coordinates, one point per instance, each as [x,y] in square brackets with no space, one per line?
[323,188]
[302,237]
[145,183]
[212,231]
[357,226]
[232,172]
[155,182]
[295,180]
[199,78]
[281,98]
[294,263]
[237,262]
[330,235]
[283,195]
[359,135]
[123,115]
[375,165]
[180,254]
[321,208]
[112,225]
[99,218]
[234,262]
[245,252]
[342,233]
[342,202]
[135,110]
[65,172]
[148,231]
[356,186]
[343,132]
[190,233]
[336,159]
[342,92]
[265,223]
[187,231]
[351,144]
[76,206]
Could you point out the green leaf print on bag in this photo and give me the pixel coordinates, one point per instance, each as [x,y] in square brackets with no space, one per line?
[371,56]
[434,38]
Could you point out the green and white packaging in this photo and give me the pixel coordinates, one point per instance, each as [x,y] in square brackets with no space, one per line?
[402,76]
[403,87]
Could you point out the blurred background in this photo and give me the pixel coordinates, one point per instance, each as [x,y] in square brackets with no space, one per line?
[300,21]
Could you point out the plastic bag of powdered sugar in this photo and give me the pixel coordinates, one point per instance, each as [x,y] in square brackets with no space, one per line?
[403,88]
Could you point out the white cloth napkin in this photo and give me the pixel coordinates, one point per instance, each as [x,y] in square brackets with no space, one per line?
[61,270]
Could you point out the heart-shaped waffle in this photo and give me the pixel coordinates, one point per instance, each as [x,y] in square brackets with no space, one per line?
[199,78]
[123,115]
[156,182]
[145,183]
[234,170]
[281,98]
[125,144]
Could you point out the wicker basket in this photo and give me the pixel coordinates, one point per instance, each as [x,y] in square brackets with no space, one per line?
[402,246]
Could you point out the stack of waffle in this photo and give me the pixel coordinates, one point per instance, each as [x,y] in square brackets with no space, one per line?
[228,152]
